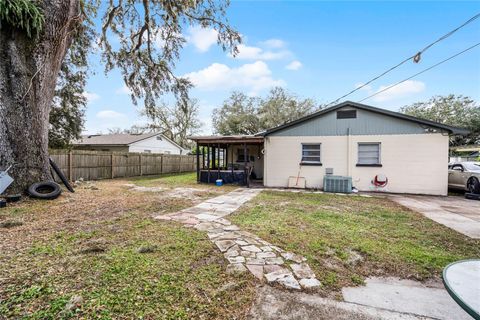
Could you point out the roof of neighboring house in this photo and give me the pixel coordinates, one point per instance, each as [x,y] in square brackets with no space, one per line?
[119,139]
[450,129]
[467,148]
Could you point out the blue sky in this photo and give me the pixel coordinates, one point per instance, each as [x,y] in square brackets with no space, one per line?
[314,49]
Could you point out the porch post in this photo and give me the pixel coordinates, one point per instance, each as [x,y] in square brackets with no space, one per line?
[245,169]
[208,163]
[233,174]
[198,163]
[218,165]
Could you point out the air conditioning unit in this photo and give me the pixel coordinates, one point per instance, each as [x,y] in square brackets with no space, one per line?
[337,184]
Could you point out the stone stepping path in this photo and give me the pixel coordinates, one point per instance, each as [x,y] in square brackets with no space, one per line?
[244,250]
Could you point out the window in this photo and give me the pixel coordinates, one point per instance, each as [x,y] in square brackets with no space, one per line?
[457,167]
[311,153]
[241,155]
[346,114]
[369,154]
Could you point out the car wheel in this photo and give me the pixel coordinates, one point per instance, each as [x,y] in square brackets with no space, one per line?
[473,185]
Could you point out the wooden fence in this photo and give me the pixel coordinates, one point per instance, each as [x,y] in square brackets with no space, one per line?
[94,165]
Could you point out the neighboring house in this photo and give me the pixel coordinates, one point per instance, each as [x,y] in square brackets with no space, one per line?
[465,153]
[368,144]
[144,143]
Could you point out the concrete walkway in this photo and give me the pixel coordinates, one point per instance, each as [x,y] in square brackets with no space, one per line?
[274,304]
[406,296]
[457,213]
[244,250]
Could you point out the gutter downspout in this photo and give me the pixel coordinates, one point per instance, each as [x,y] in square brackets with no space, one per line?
[348,152]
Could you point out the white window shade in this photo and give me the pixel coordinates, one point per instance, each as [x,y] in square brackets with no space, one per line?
[369,153]
[311,153]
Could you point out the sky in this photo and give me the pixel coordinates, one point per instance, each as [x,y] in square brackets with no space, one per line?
[314,49]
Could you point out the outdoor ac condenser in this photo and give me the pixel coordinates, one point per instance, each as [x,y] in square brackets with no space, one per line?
[337,184]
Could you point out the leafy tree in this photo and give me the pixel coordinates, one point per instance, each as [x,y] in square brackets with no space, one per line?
[176,122]
[454,110]
[69,103]
[241,114]
[238,115]
[36,35]
[135,129]
[280,107]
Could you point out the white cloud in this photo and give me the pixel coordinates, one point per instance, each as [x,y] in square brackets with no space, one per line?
[202,38]
[252,76]
[110,115]
[123,90]
[90,96]
[257,53]
[274,43]
[294,65]
[402,90]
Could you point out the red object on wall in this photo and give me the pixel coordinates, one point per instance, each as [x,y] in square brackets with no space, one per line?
[380,180]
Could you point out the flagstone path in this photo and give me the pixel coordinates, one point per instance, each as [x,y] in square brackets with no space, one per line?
[244,250]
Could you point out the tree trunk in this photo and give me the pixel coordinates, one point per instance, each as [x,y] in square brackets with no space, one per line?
[28,75]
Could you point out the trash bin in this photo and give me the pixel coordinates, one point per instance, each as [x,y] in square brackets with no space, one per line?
[219,182]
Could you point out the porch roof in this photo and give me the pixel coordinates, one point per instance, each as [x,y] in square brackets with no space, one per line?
[234,139]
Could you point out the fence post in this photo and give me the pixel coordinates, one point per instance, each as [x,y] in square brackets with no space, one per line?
[111,165]
[161,164]
[140,160]
[70,166]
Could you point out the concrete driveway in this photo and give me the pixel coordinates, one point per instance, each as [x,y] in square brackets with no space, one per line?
[455,212]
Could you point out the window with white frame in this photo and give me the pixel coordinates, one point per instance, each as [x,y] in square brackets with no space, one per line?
[311,153]
[369,153]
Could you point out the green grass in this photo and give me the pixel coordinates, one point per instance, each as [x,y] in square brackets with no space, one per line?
[180,278]
[170,180]
[103,246]
[176,180]
[331,230]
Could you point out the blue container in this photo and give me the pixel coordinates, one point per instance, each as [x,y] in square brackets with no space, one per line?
[219,182]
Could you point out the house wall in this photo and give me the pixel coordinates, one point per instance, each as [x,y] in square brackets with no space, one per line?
[366,123]
[102,148]
[155,146]
[413,163]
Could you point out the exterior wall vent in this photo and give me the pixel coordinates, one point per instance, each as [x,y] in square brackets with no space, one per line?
[337,184]
[346,114]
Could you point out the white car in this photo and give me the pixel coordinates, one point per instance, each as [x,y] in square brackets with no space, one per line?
[464,176]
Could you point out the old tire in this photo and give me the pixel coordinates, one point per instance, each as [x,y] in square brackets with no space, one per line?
[47,190]
[473,185]
[61,175]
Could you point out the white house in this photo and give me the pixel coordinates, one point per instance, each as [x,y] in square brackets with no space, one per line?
[379,150]
[144,143]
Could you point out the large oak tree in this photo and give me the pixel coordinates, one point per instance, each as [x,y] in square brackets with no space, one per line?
[454,110]
[36,35]
[242,114]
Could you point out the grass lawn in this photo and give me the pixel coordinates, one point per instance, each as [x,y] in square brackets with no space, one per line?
[101,249]
[346,239]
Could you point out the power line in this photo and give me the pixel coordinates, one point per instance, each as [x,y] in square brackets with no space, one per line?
[416,58]
[419,73]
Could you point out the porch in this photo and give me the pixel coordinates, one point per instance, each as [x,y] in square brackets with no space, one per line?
[234,159]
